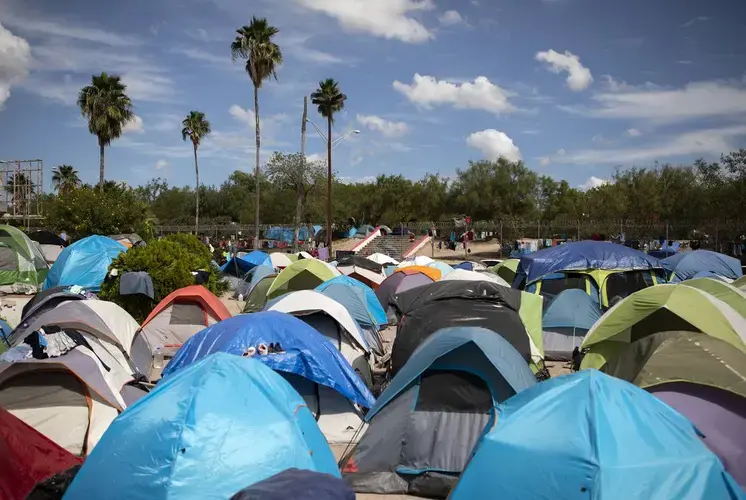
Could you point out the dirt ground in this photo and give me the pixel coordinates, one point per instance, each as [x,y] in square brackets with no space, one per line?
[479,250]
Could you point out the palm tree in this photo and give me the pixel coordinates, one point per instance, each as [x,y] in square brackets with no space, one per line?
[254,44]
[329,100]
[196,128]
[65,179]
[107,108]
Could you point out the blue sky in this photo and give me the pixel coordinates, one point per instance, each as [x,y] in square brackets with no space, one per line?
[573,87]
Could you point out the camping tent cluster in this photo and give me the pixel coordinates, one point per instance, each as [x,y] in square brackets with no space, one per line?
[194,403]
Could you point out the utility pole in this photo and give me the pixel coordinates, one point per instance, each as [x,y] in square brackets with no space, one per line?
[304,119]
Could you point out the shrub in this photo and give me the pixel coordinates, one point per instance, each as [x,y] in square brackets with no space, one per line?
[169,264]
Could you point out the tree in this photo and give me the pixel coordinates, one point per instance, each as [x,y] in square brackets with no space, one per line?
[65,179]
[292,171]
[196,128]
[329,100]
[255,44]
[107,108]
[20,187]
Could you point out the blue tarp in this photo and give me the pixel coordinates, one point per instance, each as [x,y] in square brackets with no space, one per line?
[307,352]
[686,265]
[84,263]
[468,266]
[571,308]
[373,304]
[589,435]
[218,426]
[498,351]
[246,263]
[583,255]
[284,234]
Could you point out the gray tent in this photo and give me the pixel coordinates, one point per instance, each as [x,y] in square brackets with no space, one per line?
[425,426]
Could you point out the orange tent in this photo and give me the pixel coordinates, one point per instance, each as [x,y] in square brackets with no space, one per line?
[431,272]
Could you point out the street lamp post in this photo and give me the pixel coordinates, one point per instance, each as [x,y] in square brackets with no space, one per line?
[329,181]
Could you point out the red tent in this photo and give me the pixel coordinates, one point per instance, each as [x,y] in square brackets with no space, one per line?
[27,457]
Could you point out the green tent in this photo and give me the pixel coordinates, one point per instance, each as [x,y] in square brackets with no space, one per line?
[670,307]
[740,283]
[507,269]
[306,274]
[23,268]
[257,297]
[721,290]
[680,356]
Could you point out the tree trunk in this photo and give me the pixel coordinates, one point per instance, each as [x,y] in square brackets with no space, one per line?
[101,165]
[196,214]
[256,171]
[329,186]
[299,204]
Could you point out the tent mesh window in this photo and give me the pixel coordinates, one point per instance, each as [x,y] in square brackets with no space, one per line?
[550,288]
[8,259]
[453,392]
[187,313]
[626,283]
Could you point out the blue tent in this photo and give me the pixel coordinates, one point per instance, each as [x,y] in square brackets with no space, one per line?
[374,307]
[246,263]
[589,435]
[307,352]
[218,426]
[583,255]
[84,263]
[287,235]
[468,266]
[566,321]
[686,265]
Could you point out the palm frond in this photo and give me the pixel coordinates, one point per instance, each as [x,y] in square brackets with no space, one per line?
[328,98]
[254,44]
[196,127]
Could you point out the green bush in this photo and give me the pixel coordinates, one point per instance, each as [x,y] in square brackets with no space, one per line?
[170,264]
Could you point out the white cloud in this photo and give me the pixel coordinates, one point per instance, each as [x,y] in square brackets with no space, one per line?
[391,19]
[481,94]
[706,99]
[315,157]
[196,54]
[245,116]
[161,164]
[702,142]
[578,76]
[149,86]
[494,144]
[450,18]
[37,26]
[15,60]
[385,127]
[134,126]
[695,20]
[592,183]
[633,132]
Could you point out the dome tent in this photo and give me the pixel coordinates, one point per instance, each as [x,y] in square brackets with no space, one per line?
[312,365]
[23,267]
[669,307]
[305,274]
[424,427]
[396,283]
[633,447]
[84,263]
[221,424]
[174,320]
[566,321]
[686,265]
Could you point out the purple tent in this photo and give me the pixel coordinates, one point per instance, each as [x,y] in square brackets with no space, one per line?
[719,415]
[397,283]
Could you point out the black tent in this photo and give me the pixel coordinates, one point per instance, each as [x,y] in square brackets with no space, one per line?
[46,238]
[426,309]
[356,260]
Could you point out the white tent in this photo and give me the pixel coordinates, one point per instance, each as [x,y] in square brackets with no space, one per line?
[380,258]
[464,275]
[280,260]
[420,260]
[332,320]
[109,329]
[69,399]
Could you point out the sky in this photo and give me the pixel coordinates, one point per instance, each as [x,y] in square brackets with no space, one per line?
[574,88]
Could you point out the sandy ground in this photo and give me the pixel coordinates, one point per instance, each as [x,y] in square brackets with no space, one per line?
[11,307]
[479,250]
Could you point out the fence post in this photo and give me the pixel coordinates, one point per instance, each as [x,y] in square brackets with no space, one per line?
[502,241]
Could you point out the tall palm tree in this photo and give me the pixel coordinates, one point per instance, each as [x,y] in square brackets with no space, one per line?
[329,100]
[108,109]
[254,44]
[65,178]
[196,128]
